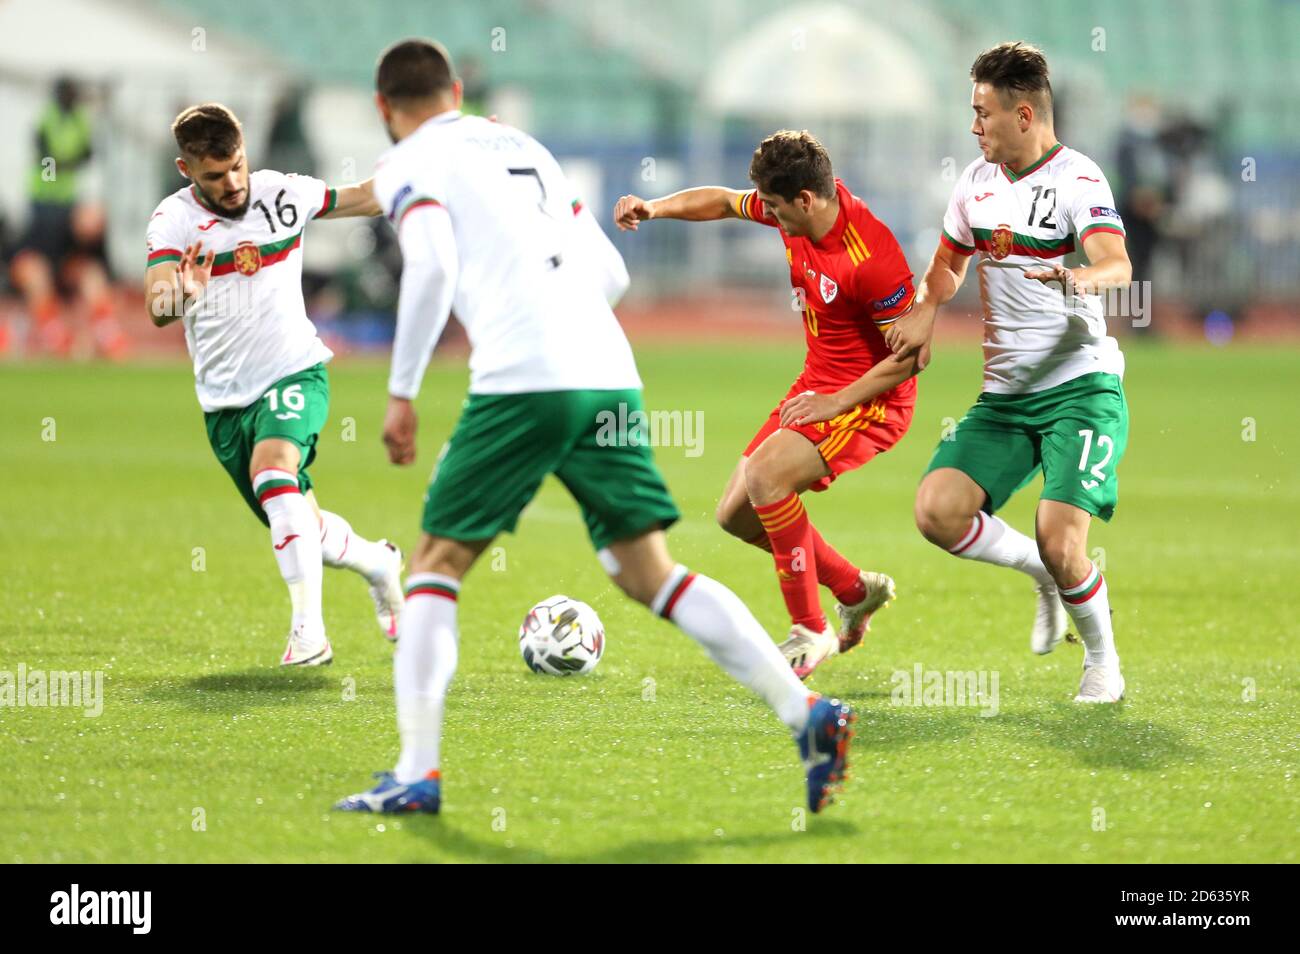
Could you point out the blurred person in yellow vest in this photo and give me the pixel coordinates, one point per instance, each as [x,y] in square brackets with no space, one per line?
[62,252]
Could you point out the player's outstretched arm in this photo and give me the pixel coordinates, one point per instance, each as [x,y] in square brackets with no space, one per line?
[704,204]
[355,200]
[943,276]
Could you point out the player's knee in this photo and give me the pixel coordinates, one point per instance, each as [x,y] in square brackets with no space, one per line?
[938,522]
[764,484]
[1063,555]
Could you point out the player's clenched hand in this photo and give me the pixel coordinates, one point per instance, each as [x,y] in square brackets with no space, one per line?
[196,270]
[399,431]
[809,408]
[630,211]
[911,331]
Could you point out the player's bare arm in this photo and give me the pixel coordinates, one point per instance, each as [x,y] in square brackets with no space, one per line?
[1110,267]
[703,204]
[355,200]
[171,287]
[811,407]
[943,276]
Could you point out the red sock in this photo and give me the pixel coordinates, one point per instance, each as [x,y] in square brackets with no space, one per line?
[794,550]
[838,574]
[834,572]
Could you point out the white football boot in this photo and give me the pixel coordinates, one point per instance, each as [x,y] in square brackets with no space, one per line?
[1051,621]
[307,648]
[855,620]
[387,593]
[805,650]
[1101,684]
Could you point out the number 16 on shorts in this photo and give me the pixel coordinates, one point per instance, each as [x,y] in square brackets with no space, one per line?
[291,398]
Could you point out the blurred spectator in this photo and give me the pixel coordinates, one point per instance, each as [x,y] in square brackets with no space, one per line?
[62,252]
[287,148]
[1144,176]
[1173,195]
[169,176]
[1200,202]
[474,99]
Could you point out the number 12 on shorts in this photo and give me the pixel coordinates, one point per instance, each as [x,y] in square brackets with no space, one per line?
[1096,470]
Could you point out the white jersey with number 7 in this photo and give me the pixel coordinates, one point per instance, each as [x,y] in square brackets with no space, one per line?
[491,228]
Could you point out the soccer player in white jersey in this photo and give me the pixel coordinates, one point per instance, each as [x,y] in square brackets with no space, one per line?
[1040,219]
[490,226]
[259,367]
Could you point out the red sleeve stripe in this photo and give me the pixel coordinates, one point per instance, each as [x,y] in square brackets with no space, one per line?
[161,255]
[417,203]
[1100,227]
[947,240]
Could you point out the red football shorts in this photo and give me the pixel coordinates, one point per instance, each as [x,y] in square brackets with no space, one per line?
[848,441]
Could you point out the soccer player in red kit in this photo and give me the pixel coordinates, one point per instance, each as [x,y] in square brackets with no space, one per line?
[850,279]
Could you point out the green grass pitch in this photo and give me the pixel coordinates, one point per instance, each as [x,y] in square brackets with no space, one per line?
[207,751]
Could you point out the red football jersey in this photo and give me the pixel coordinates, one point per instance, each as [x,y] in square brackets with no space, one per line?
[852,283]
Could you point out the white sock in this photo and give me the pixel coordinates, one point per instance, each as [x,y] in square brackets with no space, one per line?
[715,618]
[1088,604]
[423,666]
[991,540]
[341,547]
[295,537]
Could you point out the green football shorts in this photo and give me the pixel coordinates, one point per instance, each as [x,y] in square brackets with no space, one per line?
[504,445]
[1076,432]
[292,409]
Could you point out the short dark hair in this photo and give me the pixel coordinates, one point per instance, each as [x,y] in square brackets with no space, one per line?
[787,162]
[208,130]
[413,70]
[1015,67]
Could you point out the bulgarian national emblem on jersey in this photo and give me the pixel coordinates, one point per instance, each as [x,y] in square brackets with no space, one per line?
[247,258]
[829,289]
[1000,242]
